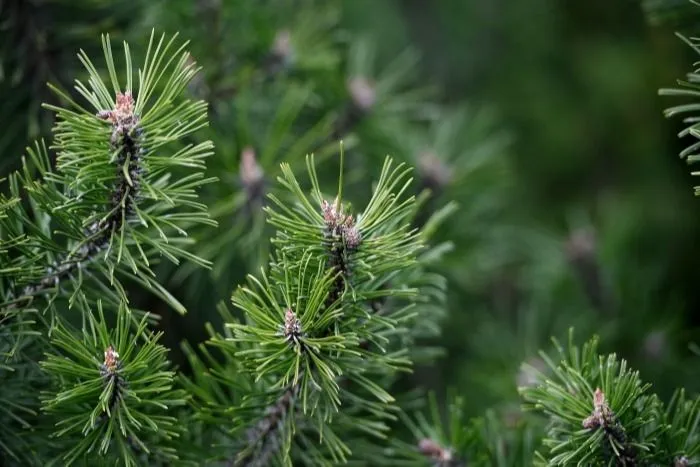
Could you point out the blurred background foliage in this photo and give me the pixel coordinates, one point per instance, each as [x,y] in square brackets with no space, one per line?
[539,118]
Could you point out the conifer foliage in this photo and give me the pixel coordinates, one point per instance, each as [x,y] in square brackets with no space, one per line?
[311,331]
[311,364]
[327,325]
[689,89]
[72,236]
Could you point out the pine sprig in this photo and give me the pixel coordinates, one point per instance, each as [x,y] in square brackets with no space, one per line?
[688,89]
[600,411]
[379,239]
[117,192]
[289,339]
[312,336]
[445,436]
[439,442]
[114,390]
[124,186]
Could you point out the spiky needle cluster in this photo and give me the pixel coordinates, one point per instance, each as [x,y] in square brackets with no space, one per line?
[617,428]
[109,370]
[126,143]
[121,403]
[440,456]
[604,418]
[71,230]
[109,199]
[310,332]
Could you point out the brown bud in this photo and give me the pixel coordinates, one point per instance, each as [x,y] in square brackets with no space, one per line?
[122,117]
[334,217]
[125,104]
[282,45]
[590,422]
[292,326]
[598,399]
[339,224]
[435,172]
[352,236]
[250,171]
[123,112]
[362,92]
[111,362]
[581,245]
[601,415]
[330,214]
[429,447]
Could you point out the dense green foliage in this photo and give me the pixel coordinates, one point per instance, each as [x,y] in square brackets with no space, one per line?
[211,260]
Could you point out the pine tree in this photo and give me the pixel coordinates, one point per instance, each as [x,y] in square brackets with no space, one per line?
[331,269]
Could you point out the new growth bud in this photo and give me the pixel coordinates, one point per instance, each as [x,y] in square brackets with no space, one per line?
[435,452]
[109,370]
[127,141]
[122,117]
[605,419]
[435,173]
[281,54]
[362,95]
[111,362]
[292,325]
[250,171]
[282,46]
[602,416]
[340,225]
[581,251]
[362,92]
[251,174]
[342,237]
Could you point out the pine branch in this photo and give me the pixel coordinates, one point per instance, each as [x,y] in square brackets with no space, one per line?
[454,439]
[688,89]
[125,143]
[306,320]
[123,188]
[600,412]
[114,405]
[342,239]
[112,195]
